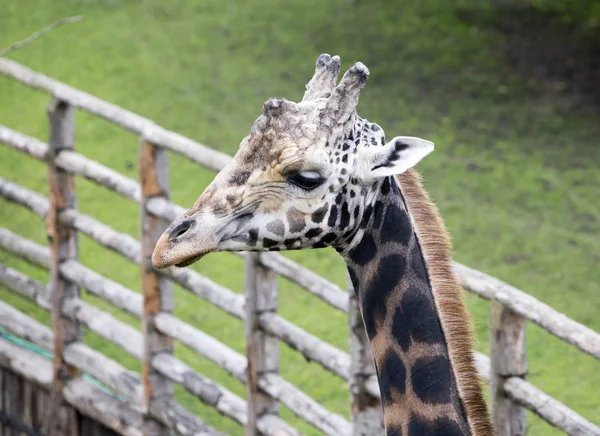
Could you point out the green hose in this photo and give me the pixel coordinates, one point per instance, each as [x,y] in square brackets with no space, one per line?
[9,337]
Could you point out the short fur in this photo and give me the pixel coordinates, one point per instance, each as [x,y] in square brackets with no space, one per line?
[455,318]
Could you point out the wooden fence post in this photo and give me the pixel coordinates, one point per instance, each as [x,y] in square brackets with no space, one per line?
[508,359]
[367,414]
[262,351]
[156,289]
[63,246]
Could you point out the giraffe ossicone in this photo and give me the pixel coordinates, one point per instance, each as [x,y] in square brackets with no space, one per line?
[314,174]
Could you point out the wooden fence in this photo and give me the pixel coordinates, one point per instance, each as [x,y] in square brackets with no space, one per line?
[145,405]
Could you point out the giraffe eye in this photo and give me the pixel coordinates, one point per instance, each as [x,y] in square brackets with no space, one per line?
[307,180]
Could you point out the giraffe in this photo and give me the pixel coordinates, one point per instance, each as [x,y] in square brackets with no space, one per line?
[314,174]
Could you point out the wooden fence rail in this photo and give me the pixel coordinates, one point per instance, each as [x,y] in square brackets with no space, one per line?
[153,410]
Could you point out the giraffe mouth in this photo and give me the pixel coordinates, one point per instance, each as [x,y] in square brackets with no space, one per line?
[190,260]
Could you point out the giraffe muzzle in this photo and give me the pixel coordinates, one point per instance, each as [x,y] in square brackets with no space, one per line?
[185,241]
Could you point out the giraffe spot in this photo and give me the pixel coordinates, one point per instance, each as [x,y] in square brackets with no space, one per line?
[365,251]
[345,216]
[431,379]
[375,127]
[400,146]
[345,159]
[277,227]
[418,426]
[346,146]
[394,431]
[352,194]
[269,243]
[374,302]
[356,210]
[252,237]
[233,199]
[332,216]
[396,225]
[383,140]
[328,238]
[392,375]
[353,279]
[295,220]
[385,186]
[338,198]
[239,178]
[378,212]
[319,214]
[291,243]
[313,232]
[416,318]
[417,263]
[344,170]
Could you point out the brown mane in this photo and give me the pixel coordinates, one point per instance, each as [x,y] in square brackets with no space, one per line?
[456,319]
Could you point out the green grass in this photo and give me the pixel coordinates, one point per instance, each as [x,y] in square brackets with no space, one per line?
[514,172]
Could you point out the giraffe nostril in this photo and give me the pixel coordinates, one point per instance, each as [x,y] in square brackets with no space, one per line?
[180,229]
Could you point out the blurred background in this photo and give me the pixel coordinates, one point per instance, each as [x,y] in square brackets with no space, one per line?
[508,90]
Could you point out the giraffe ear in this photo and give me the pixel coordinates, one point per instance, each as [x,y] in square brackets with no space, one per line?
[395,157]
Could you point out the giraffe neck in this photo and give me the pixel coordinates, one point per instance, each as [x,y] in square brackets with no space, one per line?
[417,383]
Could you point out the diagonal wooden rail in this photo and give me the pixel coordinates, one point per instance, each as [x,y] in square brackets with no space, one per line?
[158,414]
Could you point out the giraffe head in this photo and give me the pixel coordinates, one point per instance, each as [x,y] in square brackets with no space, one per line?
[300,179]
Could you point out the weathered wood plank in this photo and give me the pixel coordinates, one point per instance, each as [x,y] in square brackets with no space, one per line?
[304,406]
[105,370]
[106,326]
[367,414]
[311,347]
[551,320]
[63,246]
[181,420]
[27,395]
[32,367]
[203,287]
[156,289]
[307,279]
[2,427]
[24,285]
[109,290]
[548,408]
[223,400]
[73,163]
[508,359]
[40,402]
[103,407]
[26,249]
[119,242]
[128,120]
[262,351]
[202,343]
[222,355]
[25,327]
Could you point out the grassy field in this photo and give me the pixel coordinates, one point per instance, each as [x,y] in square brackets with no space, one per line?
[514,173]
